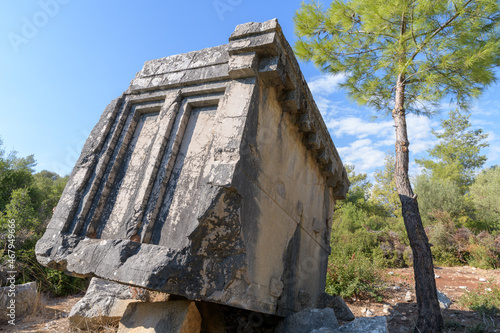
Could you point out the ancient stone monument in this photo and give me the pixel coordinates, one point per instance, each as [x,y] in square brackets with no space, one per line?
[213,177]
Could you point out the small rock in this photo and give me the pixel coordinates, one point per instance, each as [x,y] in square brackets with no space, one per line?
[363,310]
[404,318]
[391,273]
[342,311]
[408,297]
[482,280]
[397,288]
[437,276]
[386,310]
[369,313]
[25,298]
[487,289]
[462,287]
[444,301]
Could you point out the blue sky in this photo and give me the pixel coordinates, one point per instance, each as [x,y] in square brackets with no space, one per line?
[63,61]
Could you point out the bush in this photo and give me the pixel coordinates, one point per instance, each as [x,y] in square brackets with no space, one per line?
[355,231]
[354,276]
[484,251]
[436,194]
[445,248]
[31,209]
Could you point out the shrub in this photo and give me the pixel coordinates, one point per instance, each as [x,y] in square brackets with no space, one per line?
[355,276]
[445,248]
[484,252]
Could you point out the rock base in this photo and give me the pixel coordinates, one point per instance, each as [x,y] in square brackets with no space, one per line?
[161,317]
[104,304]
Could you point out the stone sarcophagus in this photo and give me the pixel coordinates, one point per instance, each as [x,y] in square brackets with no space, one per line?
[212,177]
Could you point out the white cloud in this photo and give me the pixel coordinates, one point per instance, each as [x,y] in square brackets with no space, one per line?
[492,137]
[373,139]
[325,85]
[359,127]
[363,154]
[419,133]
[493,154]
[327,107]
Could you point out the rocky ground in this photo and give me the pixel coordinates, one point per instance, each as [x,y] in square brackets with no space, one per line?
[401,314]
[452,281]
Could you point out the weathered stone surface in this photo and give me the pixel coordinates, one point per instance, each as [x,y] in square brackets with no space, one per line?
[365,325]
[212,177]
[308,320]
[103,304]
[26,299]
[161,317]
[444,301]
[342,311]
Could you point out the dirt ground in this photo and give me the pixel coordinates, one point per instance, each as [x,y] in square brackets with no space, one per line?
[52,314]
[452,281]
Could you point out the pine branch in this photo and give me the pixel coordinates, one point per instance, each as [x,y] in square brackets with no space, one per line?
[437,31]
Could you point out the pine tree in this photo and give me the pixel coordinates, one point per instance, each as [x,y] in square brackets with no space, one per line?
[403,56]
[458,152]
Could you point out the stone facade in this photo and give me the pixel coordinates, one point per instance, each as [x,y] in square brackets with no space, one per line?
[212,177]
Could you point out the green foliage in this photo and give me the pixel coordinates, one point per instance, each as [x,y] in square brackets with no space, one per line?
[458,152]
[359,187]
[353,276]
[20,209]
[357,228]
[484,299]
[29,199]
[484,195]
[15,173]
[437,195]
[485,251]
[441,49]
[445,250]
[366,234]
[384,192]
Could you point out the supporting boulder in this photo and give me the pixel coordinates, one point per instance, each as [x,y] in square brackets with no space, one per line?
[104,304]
[161,317]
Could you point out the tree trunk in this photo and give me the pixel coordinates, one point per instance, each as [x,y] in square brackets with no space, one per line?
[429,313]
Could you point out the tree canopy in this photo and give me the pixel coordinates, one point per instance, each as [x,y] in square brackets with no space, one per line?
[443,49]
[458,152]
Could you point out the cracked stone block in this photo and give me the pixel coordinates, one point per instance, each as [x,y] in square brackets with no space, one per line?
[199,181]
[104,304]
